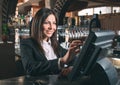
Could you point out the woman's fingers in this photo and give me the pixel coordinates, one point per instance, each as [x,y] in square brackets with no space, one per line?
[76,43]
[65,71]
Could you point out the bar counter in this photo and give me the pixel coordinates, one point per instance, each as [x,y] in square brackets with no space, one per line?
[46,80]
[43,80]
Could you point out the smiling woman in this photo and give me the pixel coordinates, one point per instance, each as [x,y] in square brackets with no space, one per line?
[49,26]
[41,53]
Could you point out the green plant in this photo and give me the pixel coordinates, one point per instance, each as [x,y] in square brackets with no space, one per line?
[5,29]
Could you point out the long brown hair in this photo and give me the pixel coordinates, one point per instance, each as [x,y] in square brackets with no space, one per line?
[37,29]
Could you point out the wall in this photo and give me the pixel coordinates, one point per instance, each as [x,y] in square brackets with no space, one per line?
[0,18]
[7,61]
[111,22]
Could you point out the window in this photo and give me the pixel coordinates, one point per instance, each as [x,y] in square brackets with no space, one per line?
[97,10]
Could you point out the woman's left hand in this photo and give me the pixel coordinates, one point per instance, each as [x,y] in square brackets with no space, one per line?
[74,48]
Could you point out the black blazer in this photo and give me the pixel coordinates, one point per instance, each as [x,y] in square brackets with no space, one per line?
[35,62]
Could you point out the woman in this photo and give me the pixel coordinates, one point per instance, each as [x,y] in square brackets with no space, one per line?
[41,53]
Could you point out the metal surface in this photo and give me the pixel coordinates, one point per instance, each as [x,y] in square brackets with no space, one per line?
[104,73]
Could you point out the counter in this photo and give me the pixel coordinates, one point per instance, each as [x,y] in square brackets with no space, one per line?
[45,80]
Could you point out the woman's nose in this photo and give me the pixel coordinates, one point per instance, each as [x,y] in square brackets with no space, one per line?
[50,26]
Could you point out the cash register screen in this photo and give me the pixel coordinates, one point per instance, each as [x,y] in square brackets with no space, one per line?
[95,47]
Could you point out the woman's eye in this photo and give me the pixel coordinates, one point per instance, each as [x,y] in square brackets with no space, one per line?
[46,22]
[55,23]
[50,23]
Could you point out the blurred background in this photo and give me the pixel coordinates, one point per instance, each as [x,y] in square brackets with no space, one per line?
[76,19]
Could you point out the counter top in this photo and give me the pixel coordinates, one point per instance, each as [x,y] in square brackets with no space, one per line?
[43,80]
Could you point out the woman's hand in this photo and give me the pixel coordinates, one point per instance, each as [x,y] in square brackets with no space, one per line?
[65,71]
[74,48]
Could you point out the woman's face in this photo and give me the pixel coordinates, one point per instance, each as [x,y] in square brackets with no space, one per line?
[49,26]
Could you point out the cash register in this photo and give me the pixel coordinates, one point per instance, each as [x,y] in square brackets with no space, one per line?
[92,61]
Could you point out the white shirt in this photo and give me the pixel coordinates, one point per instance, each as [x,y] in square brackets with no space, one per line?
[49,53]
